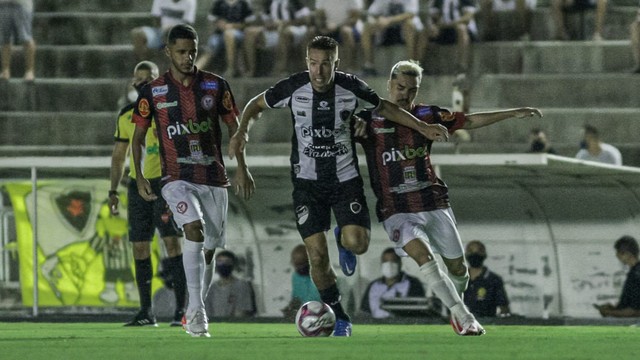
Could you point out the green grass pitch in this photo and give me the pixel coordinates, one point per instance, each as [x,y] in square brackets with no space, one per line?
[95,341]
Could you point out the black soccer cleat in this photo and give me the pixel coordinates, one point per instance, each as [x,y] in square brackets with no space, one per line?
[143,318]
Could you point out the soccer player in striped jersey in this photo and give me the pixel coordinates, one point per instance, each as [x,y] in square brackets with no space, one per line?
[413,203]
[187,106]
[324,165]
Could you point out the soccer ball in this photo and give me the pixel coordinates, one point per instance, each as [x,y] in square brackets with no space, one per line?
[315,318]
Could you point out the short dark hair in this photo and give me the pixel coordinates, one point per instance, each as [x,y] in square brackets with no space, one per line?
[323,43]
[230,255]
[627,244]
[181,31]
[391,250]
[148,66]
[588,129]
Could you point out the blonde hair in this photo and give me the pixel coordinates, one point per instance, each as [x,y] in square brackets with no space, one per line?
[408,68]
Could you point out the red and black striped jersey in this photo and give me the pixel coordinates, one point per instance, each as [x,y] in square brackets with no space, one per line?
[399,162]
[188,125]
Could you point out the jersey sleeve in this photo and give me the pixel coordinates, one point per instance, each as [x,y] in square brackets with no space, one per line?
[123,124]
[279,94]
[143,111]
[228,108]
[362,90]
[451,120]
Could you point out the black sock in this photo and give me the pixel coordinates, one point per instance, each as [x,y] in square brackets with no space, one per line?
[144,273]
[176,268]
[331,296]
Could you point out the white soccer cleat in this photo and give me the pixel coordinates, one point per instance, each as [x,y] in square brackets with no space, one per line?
[467,325]
[196,324]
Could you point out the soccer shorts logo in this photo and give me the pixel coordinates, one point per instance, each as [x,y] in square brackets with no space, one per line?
[302,213]
[355,207]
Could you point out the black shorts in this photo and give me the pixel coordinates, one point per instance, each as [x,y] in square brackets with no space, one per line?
[313,202]
[145,216]
[580,5]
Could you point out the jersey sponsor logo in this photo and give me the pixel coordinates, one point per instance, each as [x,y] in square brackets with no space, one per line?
[302,99]
[403,154]
[209,85]
[301,113]
[410,174]
[422,111]
[191,127]
[320,133]
[324,105]
[302,213]
[182,207]
[207,102]
[143,108]
[325,151]
[384,130]
[163,105]
[160,90]
[396,236]
[152,149]
[227,103]
[346,100]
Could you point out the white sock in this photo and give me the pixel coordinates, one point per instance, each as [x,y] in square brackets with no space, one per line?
[440,284]
[193,260]
[460,282]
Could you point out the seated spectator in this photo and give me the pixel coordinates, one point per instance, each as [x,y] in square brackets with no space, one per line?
[340,19]
[390,22]
[16,19]
[492,15]
[593,149]
[629,303]
[393,284]
[485,295]
[452,22]
[539,143]
[635,42]
[560,8]
[166,14]
[227,20]
[302,287]
[229,296]
[284,28]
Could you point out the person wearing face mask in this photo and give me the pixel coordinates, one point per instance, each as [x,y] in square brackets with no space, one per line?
[485,296]
[394,283]
[539,143]
[629,303]
[145,217]
[302,287]
[229,296]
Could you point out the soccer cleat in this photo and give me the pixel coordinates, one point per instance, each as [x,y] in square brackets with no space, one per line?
[178,319]
[467,326]
[196,324]
[342,328]
[143,318]
[348,260]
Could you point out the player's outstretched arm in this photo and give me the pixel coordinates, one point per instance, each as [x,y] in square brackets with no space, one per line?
[137,143]
[393,112]
[480,119]
[250,114]
[243,182]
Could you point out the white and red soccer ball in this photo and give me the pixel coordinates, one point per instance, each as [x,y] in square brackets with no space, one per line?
[315,318]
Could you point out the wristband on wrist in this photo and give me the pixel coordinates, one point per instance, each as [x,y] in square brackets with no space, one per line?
[112,193]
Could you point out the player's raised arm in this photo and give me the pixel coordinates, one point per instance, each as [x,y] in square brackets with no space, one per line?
[393,112]
[137,144]
[250,114]
[480,119]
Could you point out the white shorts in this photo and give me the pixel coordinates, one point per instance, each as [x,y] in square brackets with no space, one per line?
[191,202]
[437,228]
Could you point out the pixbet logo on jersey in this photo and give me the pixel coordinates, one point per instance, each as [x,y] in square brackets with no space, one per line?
[188,128]
[320,133]
[403,154]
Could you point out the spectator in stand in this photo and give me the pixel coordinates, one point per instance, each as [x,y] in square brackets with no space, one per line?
[302,287]
[227,19]
[635,42]
[341,20]
[539,143]
[452,22]
[229,296]
[284,28]
[485,295]
[490,19]
[593,149]
[394,283]
[560,8]
[390,22]
[629,303]
[166,14]
[16,19]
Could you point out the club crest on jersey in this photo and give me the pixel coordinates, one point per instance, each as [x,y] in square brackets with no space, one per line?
[209,85]
[355,207]
[226,101]
[160,90]
[324,105]
[143,108]
[447,116]
[302,213]
[182,207]
[207,102]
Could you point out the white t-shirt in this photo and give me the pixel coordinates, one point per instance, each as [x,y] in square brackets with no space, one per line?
[609,155]
[173,13]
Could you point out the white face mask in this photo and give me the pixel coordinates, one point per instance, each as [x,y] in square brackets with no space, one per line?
[390,269]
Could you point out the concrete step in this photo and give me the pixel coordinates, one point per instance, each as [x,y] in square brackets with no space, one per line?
[93,5]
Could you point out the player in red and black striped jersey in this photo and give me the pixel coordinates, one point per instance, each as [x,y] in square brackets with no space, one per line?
[187,106]
[413,203]
[323,161]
